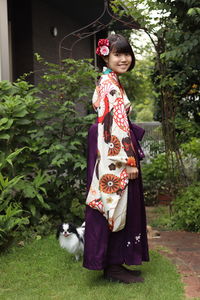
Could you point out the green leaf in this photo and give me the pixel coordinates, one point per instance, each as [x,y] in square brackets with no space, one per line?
[21,114]
[23,122]
[3,121]
[13,155]
[33,209]
[29,191]
[4,136]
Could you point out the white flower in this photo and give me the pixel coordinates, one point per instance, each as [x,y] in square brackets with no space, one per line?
[137,238]
[104,50]
[128,244]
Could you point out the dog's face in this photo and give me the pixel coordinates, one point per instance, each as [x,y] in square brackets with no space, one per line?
[66,230]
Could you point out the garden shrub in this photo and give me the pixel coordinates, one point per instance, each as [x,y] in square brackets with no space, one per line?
[191,152]
[155,179]
[11,214]
[192,147]
[161,218]
[155,147]
[43,140]
[186,209]
[152,147]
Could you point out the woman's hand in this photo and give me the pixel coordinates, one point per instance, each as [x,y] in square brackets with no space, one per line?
[132,172]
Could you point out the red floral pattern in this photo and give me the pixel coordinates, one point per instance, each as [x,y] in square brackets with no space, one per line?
[113,79]
[124,179]
[131,161]
[120,115]
[102,90]
[114,146]
[103,109]
[109,183]
[96,204]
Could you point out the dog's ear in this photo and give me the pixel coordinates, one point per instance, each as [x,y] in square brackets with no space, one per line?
[72,228]
[83,225]
[59,229]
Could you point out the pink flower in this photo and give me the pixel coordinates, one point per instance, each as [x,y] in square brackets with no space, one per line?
[104,50]
[103,47]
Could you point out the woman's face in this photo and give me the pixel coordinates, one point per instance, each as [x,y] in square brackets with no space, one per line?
[118,62]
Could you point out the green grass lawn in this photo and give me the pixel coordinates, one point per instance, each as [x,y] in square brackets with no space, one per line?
[41,270]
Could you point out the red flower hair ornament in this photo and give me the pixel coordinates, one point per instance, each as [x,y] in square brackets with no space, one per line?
[103,47]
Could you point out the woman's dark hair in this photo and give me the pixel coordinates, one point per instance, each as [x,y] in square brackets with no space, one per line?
[119,44]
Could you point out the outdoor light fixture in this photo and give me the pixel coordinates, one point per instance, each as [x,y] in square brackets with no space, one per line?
[54,31]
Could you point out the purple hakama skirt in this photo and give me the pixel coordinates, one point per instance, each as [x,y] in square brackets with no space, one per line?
[129,245]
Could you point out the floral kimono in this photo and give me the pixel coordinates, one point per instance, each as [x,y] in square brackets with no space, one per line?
[108,189]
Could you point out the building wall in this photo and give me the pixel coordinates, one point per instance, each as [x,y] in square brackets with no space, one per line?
[31,22]
[21,27]
[44,17]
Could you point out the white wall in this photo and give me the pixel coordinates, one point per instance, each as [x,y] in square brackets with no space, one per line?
[4,42]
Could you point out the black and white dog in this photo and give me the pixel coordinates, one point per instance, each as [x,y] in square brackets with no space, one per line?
[71,238]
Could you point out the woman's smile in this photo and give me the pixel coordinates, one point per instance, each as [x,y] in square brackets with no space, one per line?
[119,62]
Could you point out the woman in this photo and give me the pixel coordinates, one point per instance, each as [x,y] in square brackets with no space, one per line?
[115,231]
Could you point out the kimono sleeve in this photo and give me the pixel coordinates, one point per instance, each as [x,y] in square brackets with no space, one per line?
[116,131]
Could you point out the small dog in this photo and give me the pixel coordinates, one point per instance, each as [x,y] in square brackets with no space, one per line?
[71,238]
